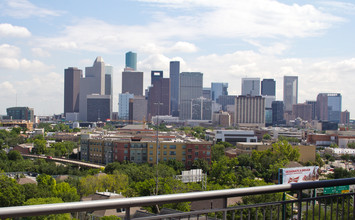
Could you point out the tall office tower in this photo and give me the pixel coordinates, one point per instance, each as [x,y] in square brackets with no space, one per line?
[98,107]
[251,86]
[174,87]
[250,111]
[21,113]
[190,88]
[303,111]
[218,89]
[345,117]
[123,105]
[156,75]
[92,83]
[290,92]
[268,87]
[138,109]
[314,107]
[72,77]
[132,82]
[201,109]
[108,84]
[278,113]
[206,93]
[329,107]
[131,60]
[159,97]
[225,100]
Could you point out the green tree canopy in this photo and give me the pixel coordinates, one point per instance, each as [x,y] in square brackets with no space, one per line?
[11,193]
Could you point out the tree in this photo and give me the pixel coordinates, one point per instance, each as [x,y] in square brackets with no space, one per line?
[50,200]
[66,192]
[14,155]
[201,164]
[333,145]
[266,136]
[217,152]
[11,193]
[223,171]
[39,146]
[351,145]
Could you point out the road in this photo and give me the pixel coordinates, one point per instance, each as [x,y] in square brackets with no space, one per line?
[80,163]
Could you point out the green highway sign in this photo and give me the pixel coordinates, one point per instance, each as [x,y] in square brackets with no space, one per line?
[336,189]
[343,189]
[329,190]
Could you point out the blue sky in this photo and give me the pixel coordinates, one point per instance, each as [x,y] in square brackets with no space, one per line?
[225,40]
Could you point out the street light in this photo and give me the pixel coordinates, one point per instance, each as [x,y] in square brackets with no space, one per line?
[158,104]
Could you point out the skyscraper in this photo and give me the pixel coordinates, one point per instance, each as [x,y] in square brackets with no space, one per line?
[155,75]
[159,93]
[132,82]
[123,105]
[131,60]
[92,83]
[72,77]
[278,113]
[201,109]
[290,92]
[190,88]
[303,111]
[251,86]
[174,87]
[314,107]
[250,110]
[98,107]
[218,89]
[329,107]
[108,84]
[206,92]
[268,87]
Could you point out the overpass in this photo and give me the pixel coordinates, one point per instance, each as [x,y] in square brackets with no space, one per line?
[62,160]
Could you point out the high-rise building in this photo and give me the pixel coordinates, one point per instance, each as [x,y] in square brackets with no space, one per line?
[329,107]
[132,82]
[345,117]
[123,105]
[206,93]
[138,109]
[98,107]
[225,100]
[159,97]
[251,86]
[174,87]
[268,87]
[21,113]
[278,113]
[250,110]
[156,75]
[92,83]
[72,77]
[131,60]
[201,109]
[290,92]
[218,89]
[314,107]
[108,83]
[190,88]
[303,111]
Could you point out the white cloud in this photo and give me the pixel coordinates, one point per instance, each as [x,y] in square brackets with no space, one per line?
[183,47]
[9,63]
[8,30]
[7,50]
[25,9]
[24,65]
[39,52]
[7,89]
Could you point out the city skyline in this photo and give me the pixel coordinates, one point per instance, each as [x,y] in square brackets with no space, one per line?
[40,39]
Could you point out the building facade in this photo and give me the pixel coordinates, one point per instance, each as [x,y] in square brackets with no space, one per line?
[329,107]
[290,92]
[190,88]
[99,108]
[132,82]
[174,87]
[303,111]
[218,89]
[201,109]
[278,113]
[251,86]
[123,105]
[131,60]
[72,77]
[268,87]
[250,110]
[21,113]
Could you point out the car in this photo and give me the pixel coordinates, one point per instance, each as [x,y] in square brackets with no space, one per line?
[49,157]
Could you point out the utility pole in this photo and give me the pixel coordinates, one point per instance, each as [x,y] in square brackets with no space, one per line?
[158,104]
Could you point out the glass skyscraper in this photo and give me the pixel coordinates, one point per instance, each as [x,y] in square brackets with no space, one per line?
[131,60]
[218,89]
[290,91]
[329,107]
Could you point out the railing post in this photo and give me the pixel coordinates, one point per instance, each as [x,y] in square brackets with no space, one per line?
[284,206]
[225,204]
[299,214]
[128,213]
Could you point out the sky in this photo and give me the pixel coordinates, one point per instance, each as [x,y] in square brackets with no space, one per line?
[226,40]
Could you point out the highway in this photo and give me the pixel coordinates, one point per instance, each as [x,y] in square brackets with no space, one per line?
[76,162]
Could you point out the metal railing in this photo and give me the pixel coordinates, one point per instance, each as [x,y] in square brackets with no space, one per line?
[337,206]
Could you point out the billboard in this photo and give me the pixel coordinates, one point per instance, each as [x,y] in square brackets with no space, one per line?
[299,174]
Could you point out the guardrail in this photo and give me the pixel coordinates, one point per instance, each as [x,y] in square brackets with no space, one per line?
[271,210]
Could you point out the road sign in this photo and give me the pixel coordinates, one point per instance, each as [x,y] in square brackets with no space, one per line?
[329,190]
[342,189]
